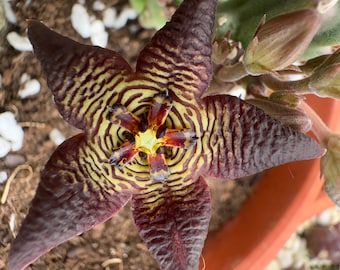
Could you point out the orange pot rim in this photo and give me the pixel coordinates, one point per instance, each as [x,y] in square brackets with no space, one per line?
[273,210]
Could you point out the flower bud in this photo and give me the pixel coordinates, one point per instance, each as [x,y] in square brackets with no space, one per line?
[280,41]
[288,99]
[331,169]
[325,80]
[225,51]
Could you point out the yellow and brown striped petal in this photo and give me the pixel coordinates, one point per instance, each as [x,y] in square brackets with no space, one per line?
[71,198]
[173,221]
[82,78]
[243,140]
[178,57]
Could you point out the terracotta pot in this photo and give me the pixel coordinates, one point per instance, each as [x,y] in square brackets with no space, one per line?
[285,197]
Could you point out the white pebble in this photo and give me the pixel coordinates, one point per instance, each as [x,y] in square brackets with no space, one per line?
[324,218]
[273,265]
[3,177]
[99,36]
[80,20]
[285,258]
[124,16]
[12,218]
[5,147]
[18,42]
[10,16]
[98,6]
[112,21]
[30,88]
[11,131]
[56,136]
[109,17]
[24,78]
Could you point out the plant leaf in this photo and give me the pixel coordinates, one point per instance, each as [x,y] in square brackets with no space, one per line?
[179,55]
[244,140]
[82,78]
[69,200]
[173,221]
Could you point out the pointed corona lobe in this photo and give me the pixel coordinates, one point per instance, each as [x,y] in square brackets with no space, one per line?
[147,135]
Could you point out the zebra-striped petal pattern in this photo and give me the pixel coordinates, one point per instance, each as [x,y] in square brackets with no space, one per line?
[70,199]
[147,134]
[170,222]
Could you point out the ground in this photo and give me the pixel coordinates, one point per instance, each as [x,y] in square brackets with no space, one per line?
[115,244]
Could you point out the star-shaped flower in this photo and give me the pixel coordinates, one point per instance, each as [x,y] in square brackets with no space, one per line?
[148,137]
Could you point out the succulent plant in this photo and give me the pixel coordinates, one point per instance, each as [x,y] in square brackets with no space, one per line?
[147,136]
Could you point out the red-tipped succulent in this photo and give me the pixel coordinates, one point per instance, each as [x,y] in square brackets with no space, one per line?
[148,137]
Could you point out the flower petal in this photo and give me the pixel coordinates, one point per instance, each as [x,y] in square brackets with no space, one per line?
[173,221]
[244,140]
[159,110]
[82,78]
[179,55]
[158,169]
[68,202]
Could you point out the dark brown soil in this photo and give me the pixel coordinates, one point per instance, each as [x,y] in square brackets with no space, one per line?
[114,245]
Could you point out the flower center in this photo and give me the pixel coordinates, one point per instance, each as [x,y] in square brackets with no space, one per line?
[149,141]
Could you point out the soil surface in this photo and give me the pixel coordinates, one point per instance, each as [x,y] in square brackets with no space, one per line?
[115,244]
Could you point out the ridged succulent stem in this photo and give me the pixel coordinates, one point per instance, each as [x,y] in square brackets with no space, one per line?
[276,84]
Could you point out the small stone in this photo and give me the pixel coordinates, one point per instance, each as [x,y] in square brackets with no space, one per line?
[98,230]
[80,20]
[11,131]
[124,16]
[3,177]
[12,219]
[18,42]
[75,252]
[273,265]
[111,20]
[324,218]
[10,16]
[5,147]
[109,17]
[99,36]
[56,136]
[13,160]
[30,88]
[285,258]
[98,6]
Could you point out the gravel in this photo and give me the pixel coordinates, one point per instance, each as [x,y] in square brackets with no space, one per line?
[11,134]
[310,247]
